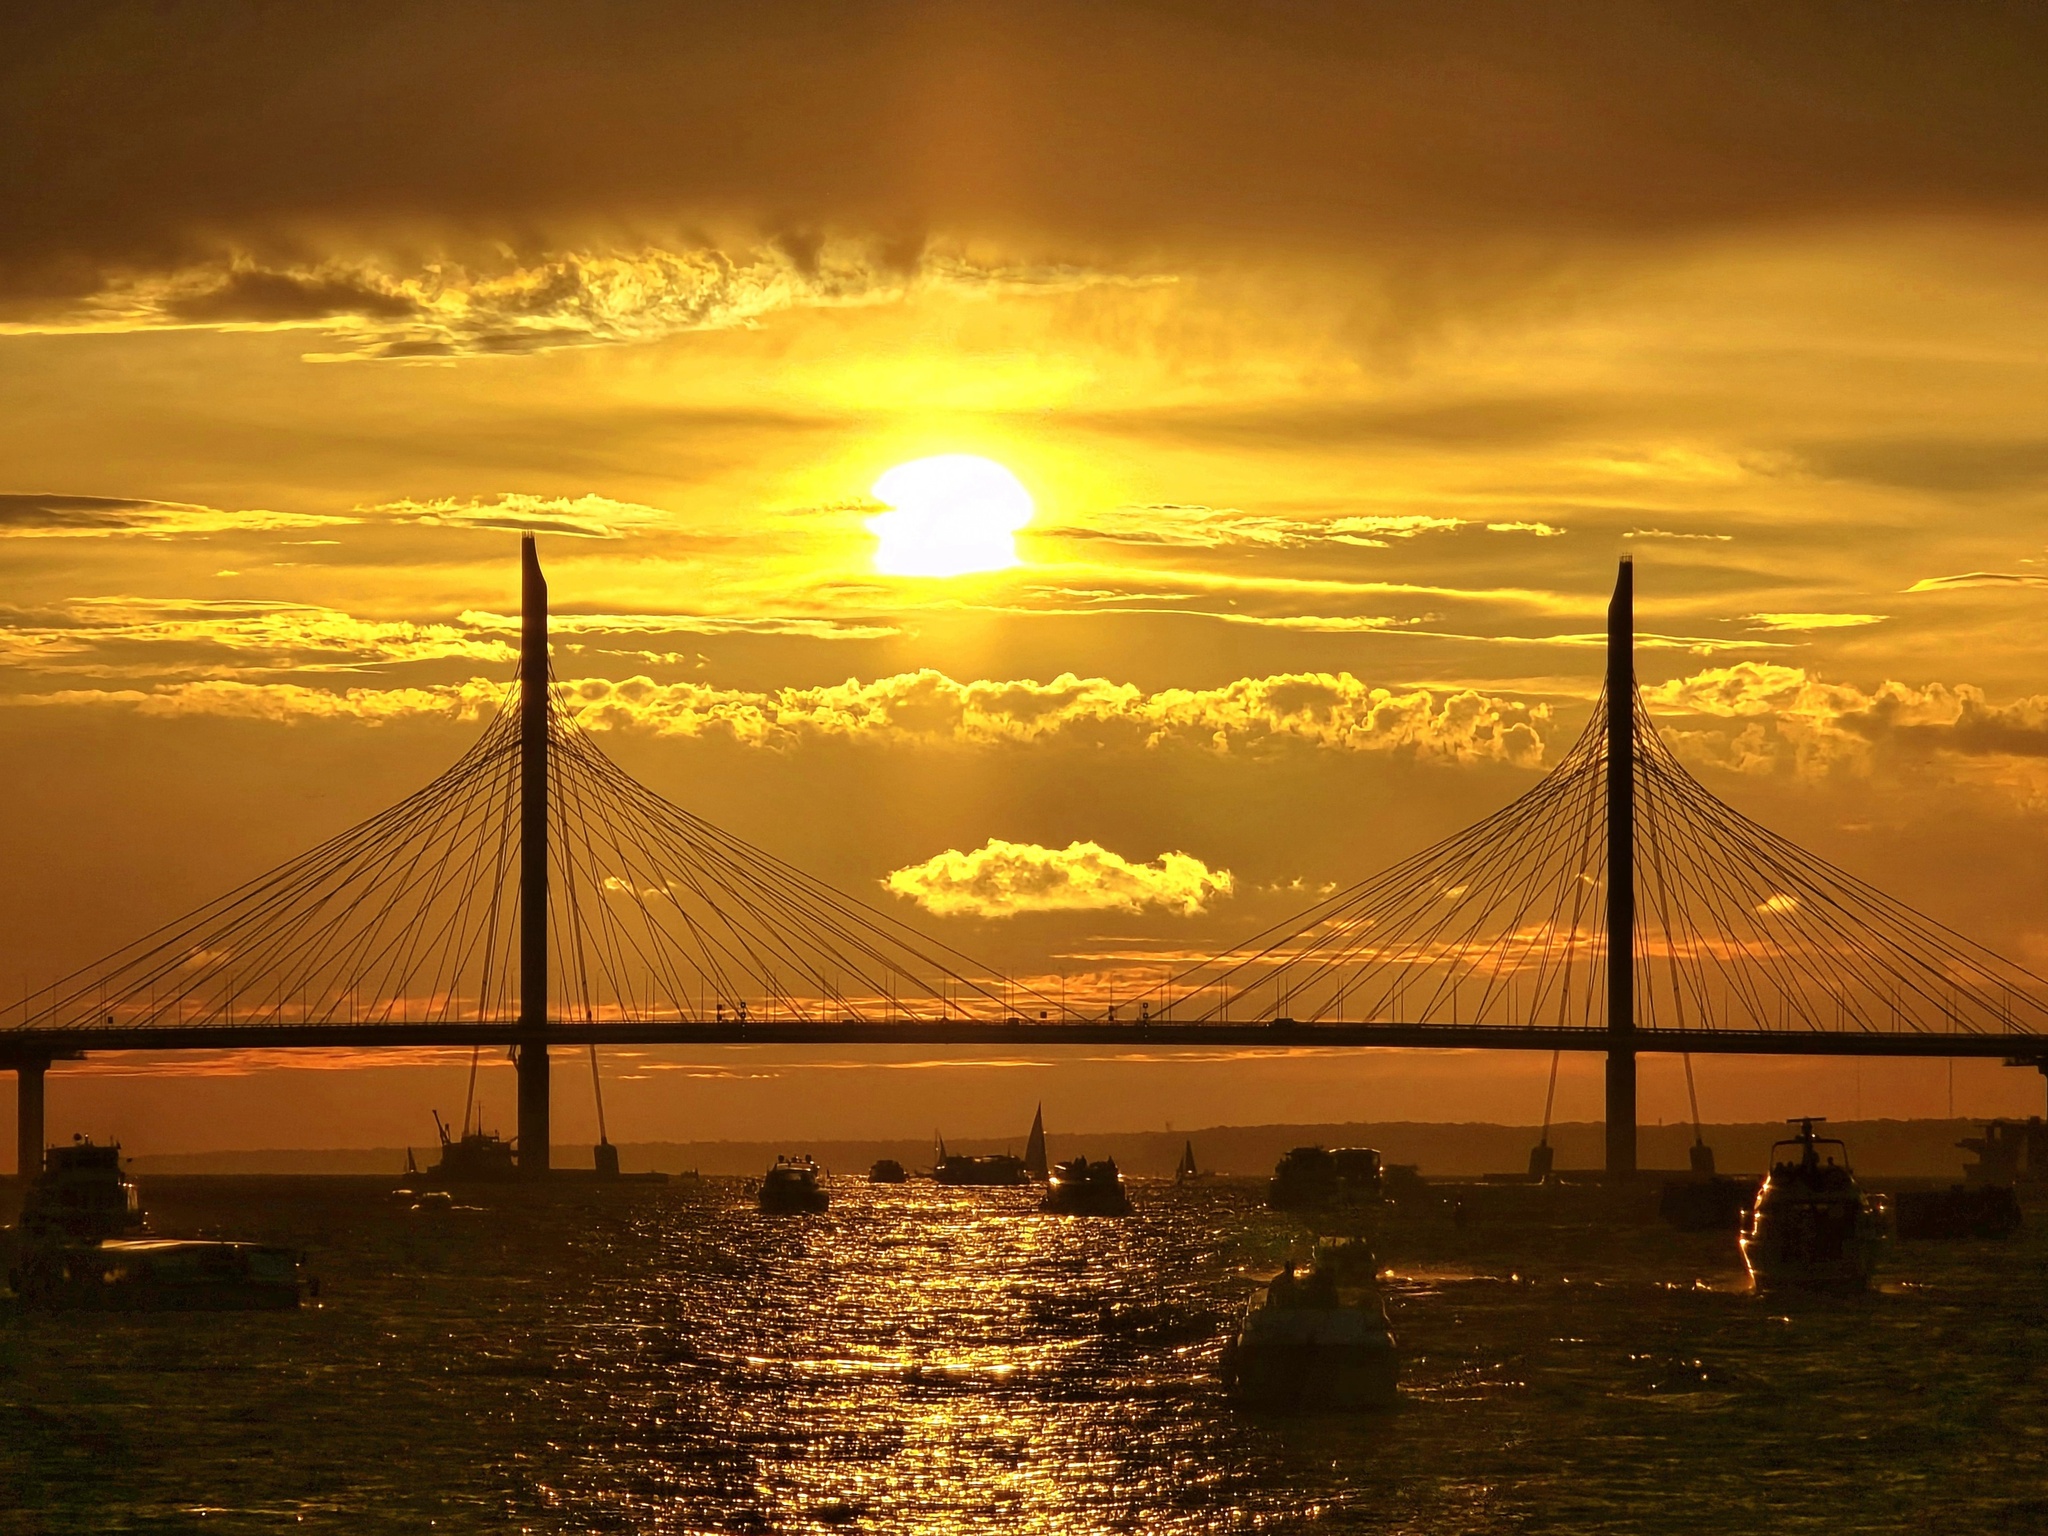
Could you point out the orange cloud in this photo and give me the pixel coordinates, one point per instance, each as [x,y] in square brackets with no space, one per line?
[1001,879]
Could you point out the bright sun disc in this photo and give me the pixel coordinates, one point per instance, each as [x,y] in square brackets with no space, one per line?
[948,516]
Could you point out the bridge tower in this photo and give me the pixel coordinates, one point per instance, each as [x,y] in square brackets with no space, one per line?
[533,866]
[1621,882]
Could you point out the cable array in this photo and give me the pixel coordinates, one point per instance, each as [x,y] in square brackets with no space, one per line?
[412,916]
[1504,923]
[656,915]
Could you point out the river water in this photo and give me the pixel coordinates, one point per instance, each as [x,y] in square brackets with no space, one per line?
[925,1360]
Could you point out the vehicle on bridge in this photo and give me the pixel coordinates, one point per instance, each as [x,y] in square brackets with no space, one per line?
[1812,1227]
[83,1244]
[1318,1342]
[791,1188]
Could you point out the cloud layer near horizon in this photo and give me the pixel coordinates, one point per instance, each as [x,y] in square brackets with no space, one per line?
[1333,710]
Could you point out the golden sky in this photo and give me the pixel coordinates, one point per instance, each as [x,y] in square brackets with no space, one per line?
[1340,348]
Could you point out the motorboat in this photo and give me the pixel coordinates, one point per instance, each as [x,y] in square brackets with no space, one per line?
[998,1169]
[1317,1342]
[475,1157]
[791,1188]
[1316,1178]
[1078,1187]
[81,1196]
[959,1168]
[83,1243]
[2008,1153]
[887,1171]
[1812,1227]
[1717,1202]
[158,1274]
[1960,1211]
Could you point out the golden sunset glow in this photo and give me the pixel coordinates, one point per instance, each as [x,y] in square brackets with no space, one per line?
[950,515]
[1119,473]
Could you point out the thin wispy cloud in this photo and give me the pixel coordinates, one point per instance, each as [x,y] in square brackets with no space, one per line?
[34,515]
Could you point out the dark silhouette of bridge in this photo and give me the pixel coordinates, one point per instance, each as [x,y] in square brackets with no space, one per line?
[535,895]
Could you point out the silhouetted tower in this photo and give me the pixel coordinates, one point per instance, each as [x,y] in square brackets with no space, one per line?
[533,866]
[1621,881]
[28,1114]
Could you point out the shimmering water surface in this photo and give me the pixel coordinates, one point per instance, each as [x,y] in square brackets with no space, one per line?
[932,1360]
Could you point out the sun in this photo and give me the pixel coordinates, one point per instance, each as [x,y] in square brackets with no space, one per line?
[948,516]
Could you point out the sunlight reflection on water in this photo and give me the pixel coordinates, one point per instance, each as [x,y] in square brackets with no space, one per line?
[927,1360]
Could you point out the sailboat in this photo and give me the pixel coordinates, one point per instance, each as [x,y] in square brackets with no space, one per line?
[1185,1170]
[1035,1166]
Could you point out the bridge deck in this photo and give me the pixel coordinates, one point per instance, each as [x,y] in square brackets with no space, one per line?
[40,1043]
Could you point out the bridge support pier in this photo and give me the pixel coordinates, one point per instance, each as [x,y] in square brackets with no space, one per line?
[533,865]
[1621,875]
[28,1116]
[534,1133]
[1621,1114]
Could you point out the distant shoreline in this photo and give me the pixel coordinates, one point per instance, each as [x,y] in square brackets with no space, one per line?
[1898,1148]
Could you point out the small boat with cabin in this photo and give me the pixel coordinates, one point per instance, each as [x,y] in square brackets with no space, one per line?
[475,1157]
[1317,1342]
[1078,1187]
[791,1188]
[995,1170]
[887,1171]
[1812,1227]
[83,1244]
[81,1196]
[1315,1178]
[2009,1153]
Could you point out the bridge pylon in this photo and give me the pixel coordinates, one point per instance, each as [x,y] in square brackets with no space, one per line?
[534,1130]
[1621,884]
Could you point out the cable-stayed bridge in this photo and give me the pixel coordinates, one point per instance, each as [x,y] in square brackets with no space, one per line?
[535,895]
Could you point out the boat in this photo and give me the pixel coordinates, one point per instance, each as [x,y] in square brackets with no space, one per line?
[1036,1168]
[1081,1188]
[998,1168]
[1715,1203]
[159,1274]
[1313,1178]
[1812,1227]
[474,1157]
[83,1243]
[1960,1211]
[2010,1152]
[81,1196]
[1319,1342]
[791,1188]
[887,1171]
[1185,1171]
